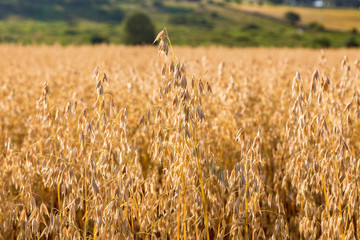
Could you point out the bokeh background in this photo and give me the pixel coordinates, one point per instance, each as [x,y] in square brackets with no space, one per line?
[269,23]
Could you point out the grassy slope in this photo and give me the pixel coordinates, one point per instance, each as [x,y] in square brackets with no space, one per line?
[233,27]
[190,24]
[337,19]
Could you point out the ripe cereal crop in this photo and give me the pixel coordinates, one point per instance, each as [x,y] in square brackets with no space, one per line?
[115,142]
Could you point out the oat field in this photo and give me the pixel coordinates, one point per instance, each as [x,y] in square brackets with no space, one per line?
[115,142]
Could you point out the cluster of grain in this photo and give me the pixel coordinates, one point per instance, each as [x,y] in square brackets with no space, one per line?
[179,143]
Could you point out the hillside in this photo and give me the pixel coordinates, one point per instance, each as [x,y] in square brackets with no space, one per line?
[336,19]
[191,23]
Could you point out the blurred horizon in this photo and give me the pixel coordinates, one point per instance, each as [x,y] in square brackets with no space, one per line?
[234,23]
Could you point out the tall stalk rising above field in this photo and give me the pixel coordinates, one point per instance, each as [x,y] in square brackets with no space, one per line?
[187,114]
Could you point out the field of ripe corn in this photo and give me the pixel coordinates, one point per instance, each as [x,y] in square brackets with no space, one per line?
[114,142]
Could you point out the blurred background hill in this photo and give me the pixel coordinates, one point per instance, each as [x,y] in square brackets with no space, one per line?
[278,23]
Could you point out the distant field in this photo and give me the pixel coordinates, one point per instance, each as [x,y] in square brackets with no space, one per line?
[339,19]
[191,23]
